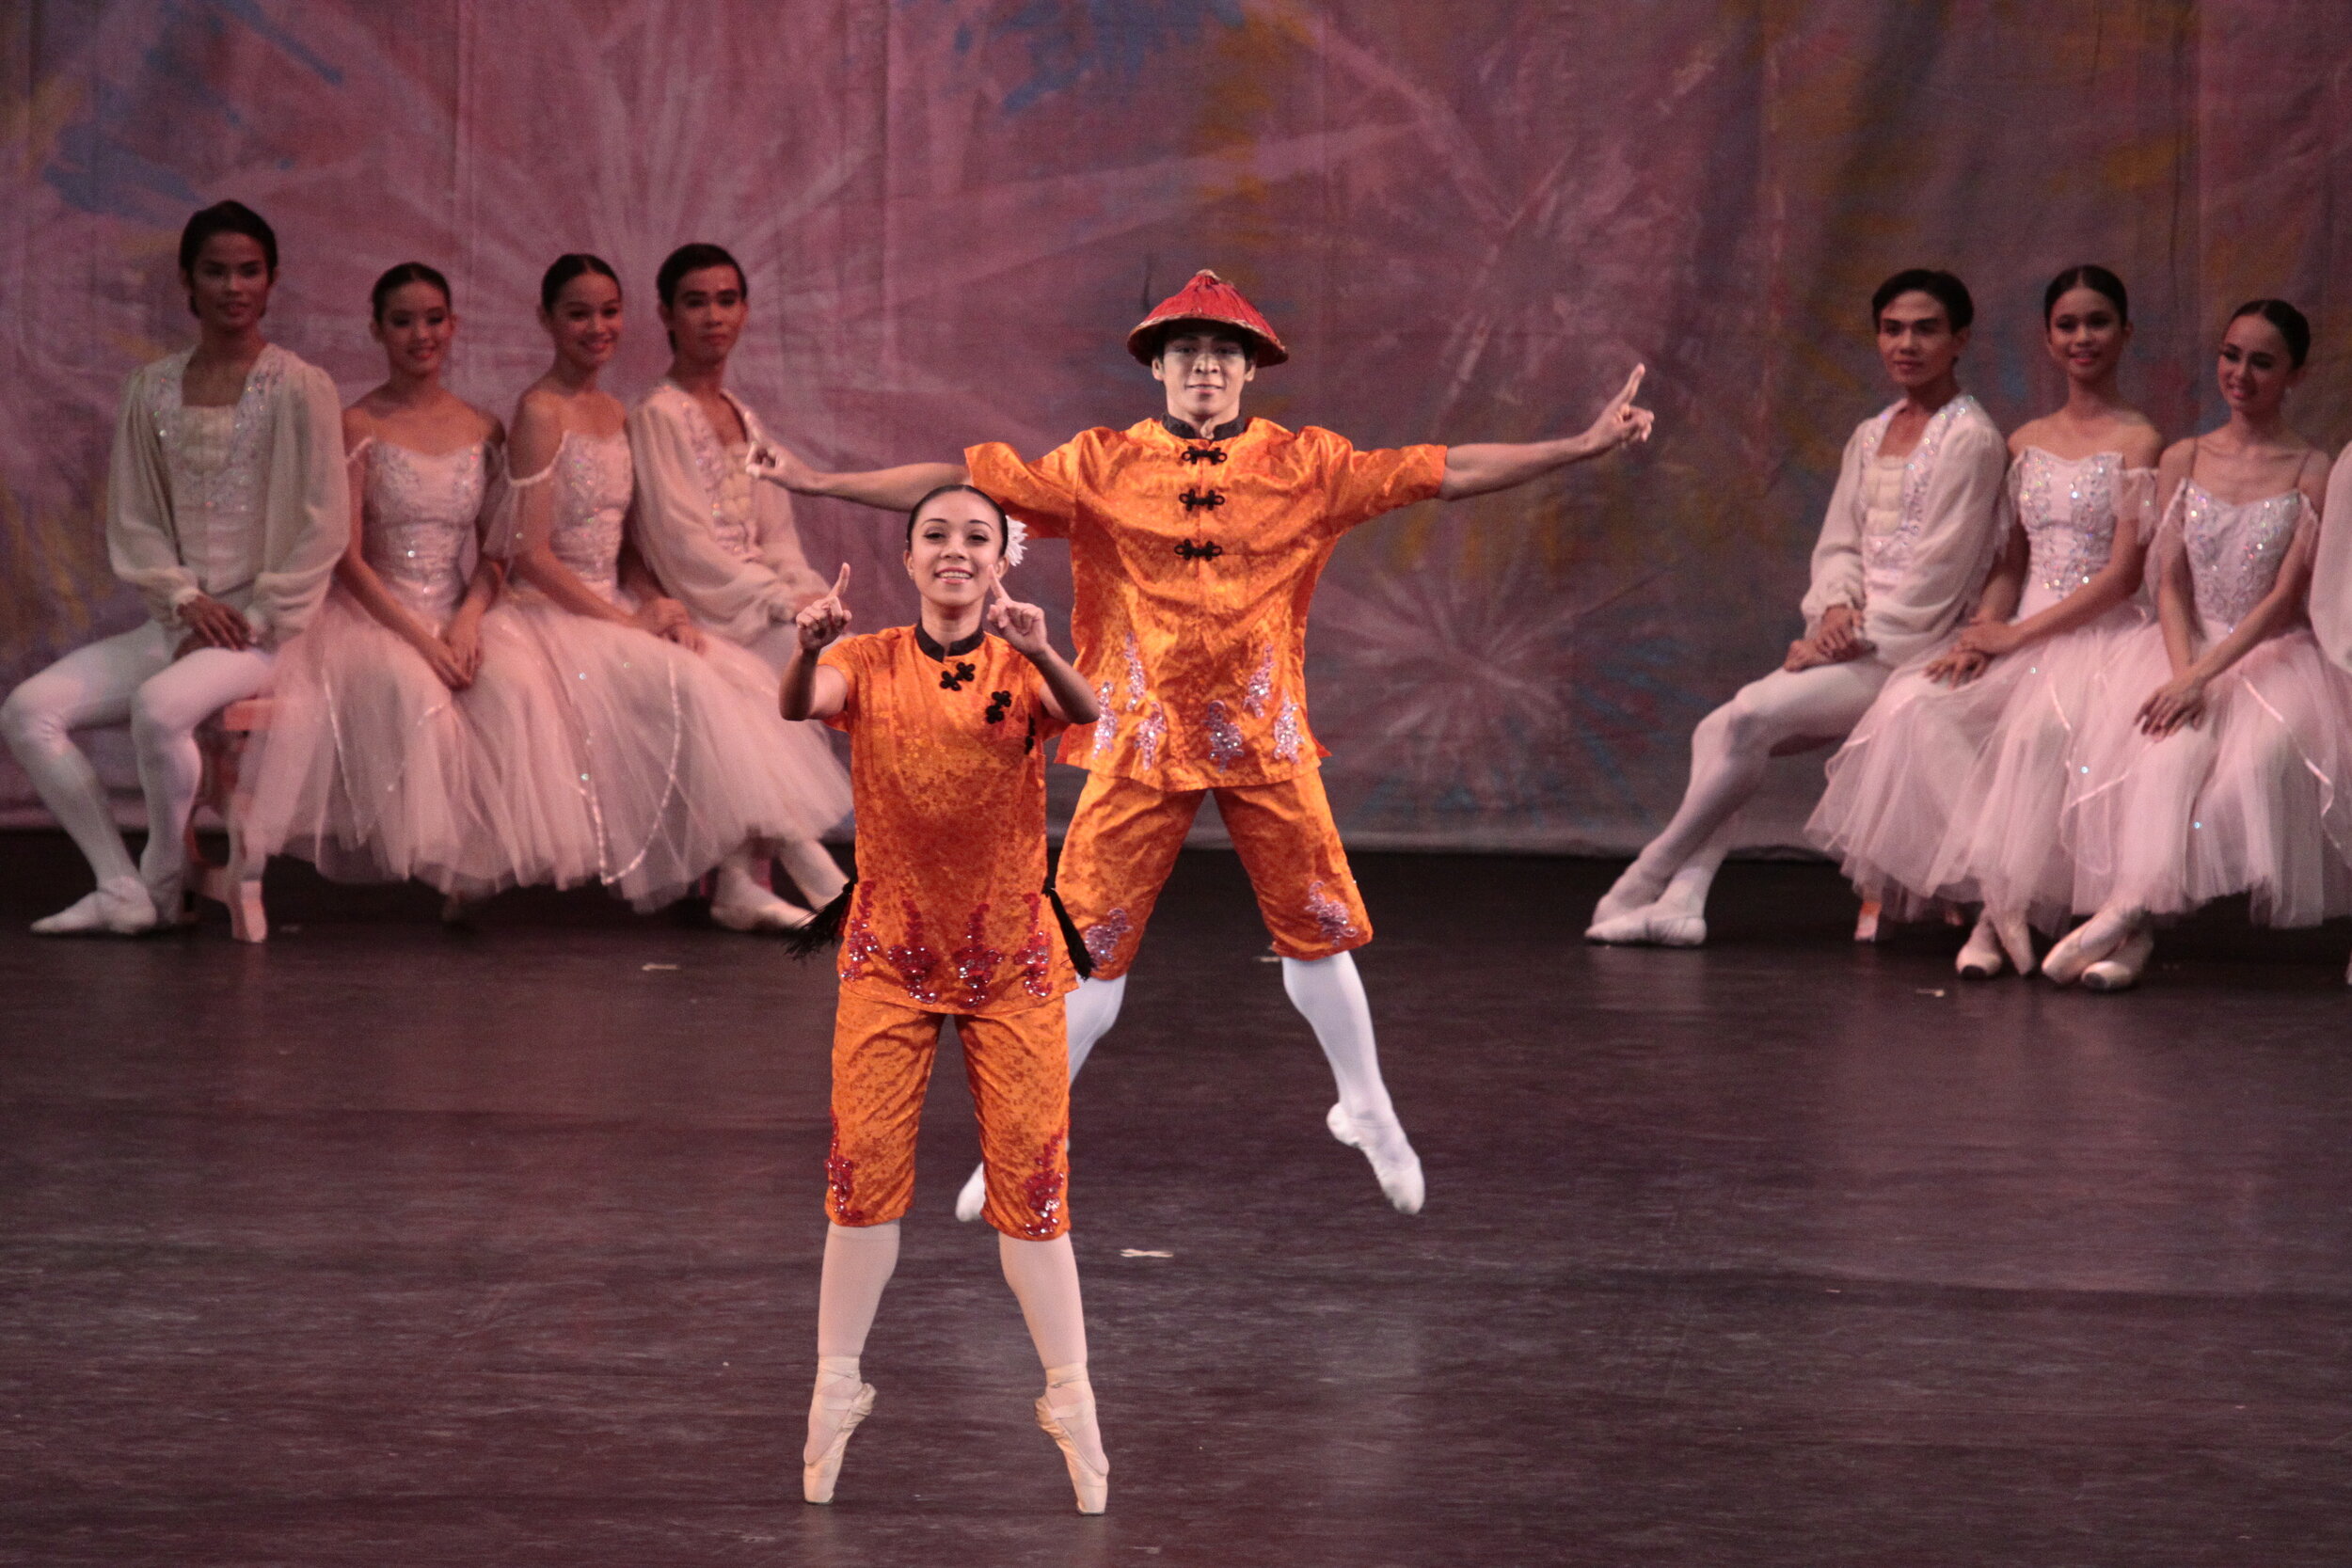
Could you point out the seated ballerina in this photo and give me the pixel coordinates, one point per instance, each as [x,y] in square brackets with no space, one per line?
[373,767]
[1950,788]
[622,732]
[2332,577]
[226,509]
[720,538]
[2215,762]
[1912,528]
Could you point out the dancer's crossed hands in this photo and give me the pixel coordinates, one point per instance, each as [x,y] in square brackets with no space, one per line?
[1621,422]
[2179,701]
[1021,624]
[821,620]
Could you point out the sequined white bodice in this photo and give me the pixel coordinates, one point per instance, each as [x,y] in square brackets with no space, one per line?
[420,514]
[593,477]
[2068,508]
[215,461]
[2235,552]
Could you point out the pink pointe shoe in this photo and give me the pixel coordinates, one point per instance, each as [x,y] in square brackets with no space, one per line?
[2121,971]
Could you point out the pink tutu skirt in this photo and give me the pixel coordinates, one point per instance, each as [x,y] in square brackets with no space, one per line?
[1945,796]
[2250,801]
[372,769]
[639,763]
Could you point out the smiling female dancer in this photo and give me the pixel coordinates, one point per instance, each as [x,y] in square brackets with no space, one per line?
[951,916]
[226,509]
[2217,762]
[372,767]
[1951,787]
[663,767]
[1912,528]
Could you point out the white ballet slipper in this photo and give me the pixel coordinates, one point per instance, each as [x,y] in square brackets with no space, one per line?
[120,906]
[2093,939]
[1980,958]
[1866,922]
[831,1420]
[2121,971]
[1069,1421]
[1394,1162]
[973,1197]
[1653,925]
[753,908]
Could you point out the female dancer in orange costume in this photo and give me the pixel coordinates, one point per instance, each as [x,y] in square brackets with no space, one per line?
[950,916]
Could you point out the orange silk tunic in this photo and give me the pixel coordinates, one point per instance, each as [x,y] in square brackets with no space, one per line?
[948,762]
[1193,564]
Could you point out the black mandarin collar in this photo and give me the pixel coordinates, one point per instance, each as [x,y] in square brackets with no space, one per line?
[1184,431]
[939,654]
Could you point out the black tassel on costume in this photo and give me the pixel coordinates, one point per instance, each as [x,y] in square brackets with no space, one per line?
[1080,960]
[825,929]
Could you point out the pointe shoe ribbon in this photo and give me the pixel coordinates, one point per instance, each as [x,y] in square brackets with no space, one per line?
[834,1418]
[1394,1162]
[1065,1424]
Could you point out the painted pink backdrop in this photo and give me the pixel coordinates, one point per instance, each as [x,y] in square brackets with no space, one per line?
[1468,220]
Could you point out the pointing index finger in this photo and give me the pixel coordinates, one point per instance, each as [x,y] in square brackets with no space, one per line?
[1633,383]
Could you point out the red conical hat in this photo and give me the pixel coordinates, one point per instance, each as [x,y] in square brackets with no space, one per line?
[1207,298]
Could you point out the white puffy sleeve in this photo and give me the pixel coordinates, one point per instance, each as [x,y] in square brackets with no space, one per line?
[306,503]
[1837,554]
[672,530]
[141,544]
[1963,517]
[2332,568]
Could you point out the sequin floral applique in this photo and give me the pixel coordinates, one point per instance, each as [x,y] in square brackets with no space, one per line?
[1036,958]
[1330,916]
[1225,746]
[1259,690]
[1042,1191]
[976,961]
[1104,937]
[841,1181]
[914,960]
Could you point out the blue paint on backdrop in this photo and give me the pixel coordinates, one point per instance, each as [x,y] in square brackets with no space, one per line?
[1114,38]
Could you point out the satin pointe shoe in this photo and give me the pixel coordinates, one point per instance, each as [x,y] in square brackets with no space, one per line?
[834,1419]
[2121,971]
[1866,922]
[2093,939]
[758,909]
[2017,941]
[1981,956]
[1394,1162]
[119,907]
[1068,1422]
[973,1197]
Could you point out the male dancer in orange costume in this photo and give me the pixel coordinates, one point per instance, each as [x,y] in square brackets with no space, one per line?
[1195,541]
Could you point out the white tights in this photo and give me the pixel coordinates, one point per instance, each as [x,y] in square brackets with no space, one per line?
[860,1259]
[1328,992]
[1784,712]
[129,677]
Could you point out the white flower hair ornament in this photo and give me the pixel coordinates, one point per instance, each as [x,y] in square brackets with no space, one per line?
[1016,541]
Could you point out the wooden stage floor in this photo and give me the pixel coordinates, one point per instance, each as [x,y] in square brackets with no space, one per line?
[390,1244]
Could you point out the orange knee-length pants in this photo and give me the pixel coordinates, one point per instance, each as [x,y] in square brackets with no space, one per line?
[1122,843]
[1018,1067]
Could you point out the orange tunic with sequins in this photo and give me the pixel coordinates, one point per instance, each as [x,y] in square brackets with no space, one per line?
[1194,562]
[948,762]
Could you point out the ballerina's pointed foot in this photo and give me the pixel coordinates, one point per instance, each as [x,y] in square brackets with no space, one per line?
[757,909]
[974,1197]
[830,1422]
[2017,941]
[1070,1424]
[2122,970]
[1628,894]
[1394,1162]
[1980,958]
[119,907]
[1650,926]
[2093,939]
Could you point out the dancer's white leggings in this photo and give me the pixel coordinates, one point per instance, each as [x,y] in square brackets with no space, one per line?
[1783,713]
[134,678]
